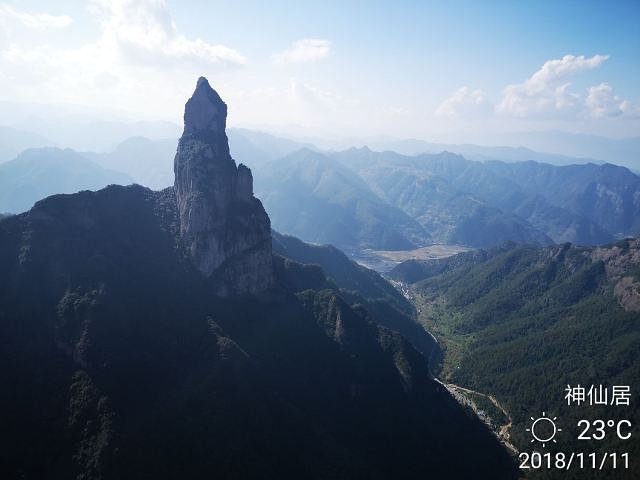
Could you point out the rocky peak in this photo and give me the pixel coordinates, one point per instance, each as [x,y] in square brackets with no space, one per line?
[205,113]
[224,227]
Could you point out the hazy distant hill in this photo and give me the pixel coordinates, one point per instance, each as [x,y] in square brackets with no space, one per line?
[555,147]
[476,152]
[619,151]
[149,162]
[78,127]
[314,197]
[13,141]
[141,160]
[252,147]
[90,134]
[38,173]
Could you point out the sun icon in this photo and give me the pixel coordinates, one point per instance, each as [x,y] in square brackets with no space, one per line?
[543,429]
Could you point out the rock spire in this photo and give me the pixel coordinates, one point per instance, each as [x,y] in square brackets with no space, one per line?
[224,227]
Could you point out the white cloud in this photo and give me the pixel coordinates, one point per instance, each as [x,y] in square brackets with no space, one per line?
[547,90]
[34,20]
[299,92]
[630,109]
[602,102]
[144,33]
[558,69]
[139,61]
[545,100]
[464,101]
[305,50]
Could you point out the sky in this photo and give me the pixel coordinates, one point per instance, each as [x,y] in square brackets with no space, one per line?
[446,70]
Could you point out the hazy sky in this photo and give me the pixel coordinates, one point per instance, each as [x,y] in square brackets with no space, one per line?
[420,69]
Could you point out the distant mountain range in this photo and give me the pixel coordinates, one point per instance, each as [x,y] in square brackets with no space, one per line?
[483,203]
[360,198]
[86,129]
[252,147]
[475,152]
[150,162]
[40,172]
[80,128]
[312,196]
[619,151]
[555,147]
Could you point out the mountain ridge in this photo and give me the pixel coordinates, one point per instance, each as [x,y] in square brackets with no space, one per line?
[581,203]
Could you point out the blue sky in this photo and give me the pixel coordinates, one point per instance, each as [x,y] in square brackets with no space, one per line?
[431,70]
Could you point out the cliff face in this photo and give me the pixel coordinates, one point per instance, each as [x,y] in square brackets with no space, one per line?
[224,227]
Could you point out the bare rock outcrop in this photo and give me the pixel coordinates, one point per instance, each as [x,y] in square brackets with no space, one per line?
[622,264]
[224,227]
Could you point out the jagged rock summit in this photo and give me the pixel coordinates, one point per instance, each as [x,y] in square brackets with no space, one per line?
[224,227]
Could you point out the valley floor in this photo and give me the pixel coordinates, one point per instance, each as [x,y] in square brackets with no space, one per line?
[384,260]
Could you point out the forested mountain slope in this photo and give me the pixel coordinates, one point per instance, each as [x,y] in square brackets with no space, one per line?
[459,199]
[521,323]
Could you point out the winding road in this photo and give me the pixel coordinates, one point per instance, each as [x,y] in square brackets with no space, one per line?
[503,431]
